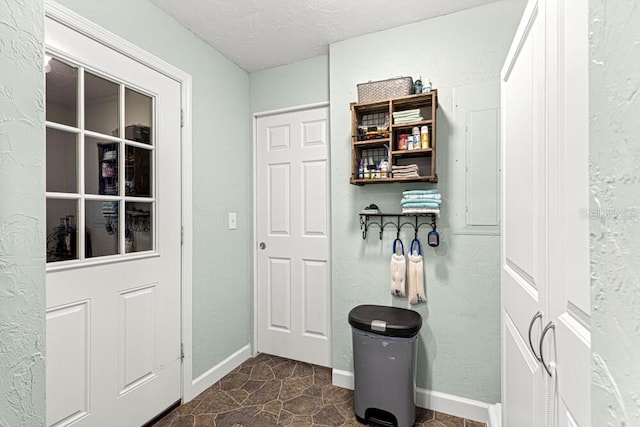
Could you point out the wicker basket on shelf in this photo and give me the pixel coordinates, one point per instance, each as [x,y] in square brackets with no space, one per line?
[384,89]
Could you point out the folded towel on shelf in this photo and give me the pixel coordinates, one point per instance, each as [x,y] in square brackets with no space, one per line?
[405,201]
[405,171]
[422,204]
[435,211]
[420,192]
[411,166]
[407,116]
[408,119]
[432,196]
[414,111]
[405,168]
[405,175]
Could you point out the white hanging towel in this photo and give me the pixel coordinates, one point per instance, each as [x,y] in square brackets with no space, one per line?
[398,271]
[415,276]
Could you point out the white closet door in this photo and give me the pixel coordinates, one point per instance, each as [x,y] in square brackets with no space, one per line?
[524,244]
[569,291]
[545,247]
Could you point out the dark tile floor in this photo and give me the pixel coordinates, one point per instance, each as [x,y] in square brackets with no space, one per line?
[277,391]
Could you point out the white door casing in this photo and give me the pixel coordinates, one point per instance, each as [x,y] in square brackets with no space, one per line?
[293,305]
[113,328]
[554,80]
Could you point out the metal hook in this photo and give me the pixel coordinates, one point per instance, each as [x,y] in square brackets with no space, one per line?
[363,227]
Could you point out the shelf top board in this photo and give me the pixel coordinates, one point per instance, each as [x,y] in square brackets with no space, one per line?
[363,181]
[402,101]
[412,153]
[376,141]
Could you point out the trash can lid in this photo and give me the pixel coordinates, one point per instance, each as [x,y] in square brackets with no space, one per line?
[387,321]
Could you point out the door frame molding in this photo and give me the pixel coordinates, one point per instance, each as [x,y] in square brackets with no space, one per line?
[95,32]
[254,237]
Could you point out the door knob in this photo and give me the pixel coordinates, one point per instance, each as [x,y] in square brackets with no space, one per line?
[263,245]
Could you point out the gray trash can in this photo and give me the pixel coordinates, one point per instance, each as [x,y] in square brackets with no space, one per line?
[384,359]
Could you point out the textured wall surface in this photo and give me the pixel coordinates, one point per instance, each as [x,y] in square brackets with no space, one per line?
[615,234]
[22,294]
[300,83]
[221,171]
[459,345]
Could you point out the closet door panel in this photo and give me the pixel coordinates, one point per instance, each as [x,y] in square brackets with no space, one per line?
[524,230]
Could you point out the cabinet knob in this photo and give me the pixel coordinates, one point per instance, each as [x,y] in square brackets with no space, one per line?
[263,245]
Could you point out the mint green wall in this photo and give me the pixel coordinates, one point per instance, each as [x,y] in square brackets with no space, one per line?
[22,223]
[300,83]
[615,241]
[459,345]
[221,155]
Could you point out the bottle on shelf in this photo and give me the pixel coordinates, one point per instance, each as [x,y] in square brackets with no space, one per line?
[384,166]
[424,137]
[416,137]
[417,85]
[371,169]
[426,88]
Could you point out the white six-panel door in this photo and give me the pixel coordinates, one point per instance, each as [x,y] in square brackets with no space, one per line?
[292,218]
[113,321]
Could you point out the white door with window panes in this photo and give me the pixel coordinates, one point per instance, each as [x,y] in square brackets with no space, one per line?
[112,235]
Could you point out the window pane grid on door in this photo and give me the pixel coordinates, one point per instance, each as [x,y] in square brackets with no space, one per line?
[61,161]
[61,236]
[61,92]
[106,170]
[102,104]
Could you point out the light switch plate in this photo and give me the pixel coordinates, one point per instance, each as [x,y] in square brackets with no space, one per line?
[233,223]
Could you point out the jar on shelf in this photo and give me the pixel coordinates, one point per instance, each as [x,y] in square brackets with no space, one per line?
[402,141]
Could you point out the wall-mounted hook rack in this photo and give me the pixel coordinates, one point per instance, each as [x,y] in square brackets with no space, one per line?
[401,220]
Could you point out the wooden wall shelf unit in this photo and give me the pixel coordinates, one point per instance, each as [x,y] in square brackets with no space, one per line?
[375,136]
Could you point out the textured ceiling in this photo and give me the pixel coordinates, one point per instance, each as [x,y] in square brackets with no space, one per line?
[259,34]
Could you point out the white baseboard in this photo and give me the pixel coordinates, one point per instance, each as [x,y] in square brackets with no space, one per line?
[434,400]
[453,405]
[495,415]
[213,375]
[342,379]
